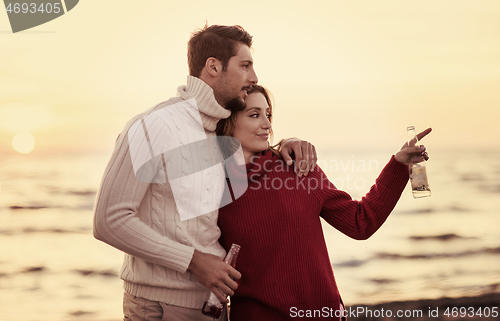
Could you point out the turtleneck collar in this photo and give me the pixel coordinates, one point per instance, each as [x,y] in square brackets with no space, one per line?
[210,110]
[261,163]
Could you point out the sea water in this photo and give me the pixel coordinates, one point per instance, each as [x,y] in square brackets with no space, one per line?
[51,267]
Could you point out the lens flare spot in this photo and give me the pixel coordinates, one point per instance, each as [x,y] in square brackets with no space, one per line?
[23,142]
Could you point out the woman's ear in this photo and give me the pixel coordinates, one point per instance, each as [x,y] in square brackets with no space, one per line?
[213,67]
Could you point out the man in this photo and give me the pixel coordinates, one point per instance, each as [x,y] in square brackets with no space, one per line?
[160,192]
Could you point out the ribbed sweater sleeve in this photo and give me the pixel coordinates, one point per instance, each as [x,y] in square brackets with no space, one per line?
[360,219]
[116,221]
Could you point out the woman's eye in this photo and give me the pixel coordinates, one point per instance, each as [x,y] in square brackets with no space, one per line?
[254,115]
[268,116]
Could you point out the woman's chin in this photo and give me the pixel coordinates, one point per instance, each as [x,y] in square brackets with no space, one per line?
[259,149]
[263,148]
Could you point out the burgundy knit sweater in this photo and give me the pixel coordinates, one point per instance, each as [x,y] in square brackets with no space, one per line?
[283,259]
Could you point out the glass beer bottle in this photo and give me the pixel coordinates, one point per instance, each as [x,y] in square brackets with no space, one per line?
[213,307]
[418,174]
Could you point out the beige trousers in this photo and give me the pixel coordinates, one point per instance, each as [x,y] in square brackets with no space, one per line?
[139,309]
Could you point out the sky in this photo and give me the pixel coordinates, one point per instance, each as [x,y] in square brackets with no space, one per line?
[346,75]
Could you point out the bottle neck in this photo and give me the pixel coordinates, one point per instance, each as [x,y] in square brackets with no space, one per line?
[232,255]
[412,137]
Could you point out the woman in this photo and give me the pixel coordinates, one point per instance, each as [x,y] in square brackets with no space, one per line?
[286,271]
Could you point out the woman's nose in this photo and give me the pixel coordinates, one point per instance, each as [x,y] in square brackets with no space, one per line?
[267,124]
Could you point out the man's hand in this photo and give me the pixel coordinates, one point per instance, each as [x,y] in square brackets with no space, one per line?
[305,155]
[413,154]
[215,274]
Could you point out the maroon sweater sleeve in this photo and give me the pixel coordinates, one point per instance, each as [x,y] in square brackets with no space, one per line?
[360,219]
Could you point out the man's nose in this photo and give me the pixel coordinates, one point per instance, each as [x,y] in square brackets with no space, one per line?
[253,77]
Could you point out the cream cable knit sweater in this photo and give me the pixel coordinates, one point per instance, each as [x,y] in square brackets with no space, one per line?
[142,219]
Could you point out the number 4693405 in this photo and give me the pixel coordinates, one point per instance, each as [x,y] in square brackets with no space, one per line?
[32,8]
[471,312]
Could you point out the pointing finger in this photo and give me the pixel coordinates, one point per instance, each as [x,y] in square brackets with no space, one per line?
[424,133]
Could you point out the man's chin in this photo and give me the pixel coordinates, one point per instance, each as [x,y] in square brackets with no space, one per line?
[236,104]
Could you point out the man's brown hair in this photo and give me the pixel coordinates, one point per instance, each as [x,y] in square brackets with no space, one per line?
[219,42]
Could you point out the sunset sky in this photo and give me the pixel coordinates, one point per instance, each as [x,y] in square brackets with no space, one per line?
[347,75]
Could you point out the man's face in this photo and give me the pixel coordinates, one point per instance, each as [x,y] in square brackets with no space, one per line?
[236,80]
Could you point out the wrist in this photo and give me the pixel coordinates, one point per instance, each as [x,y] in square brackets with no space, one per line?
[399,160]
[194,261]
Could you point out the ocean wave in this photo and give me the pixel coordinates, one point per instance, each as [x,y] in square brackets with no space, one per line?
[472,177]
[489,188]
[382,281]
[41,269]
[82,193]
[24,270]
[105,273]
[418,256]
[34,269]
[54,230]
[457,208]
[429,210]
[431,256]
[441,237]
[418,211]
[64,191]
[350,263]
[80,313]
[32,207]
[67,203]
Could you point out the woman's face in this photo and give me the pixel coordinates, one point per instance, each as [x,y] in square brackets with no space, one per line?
[253,126]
